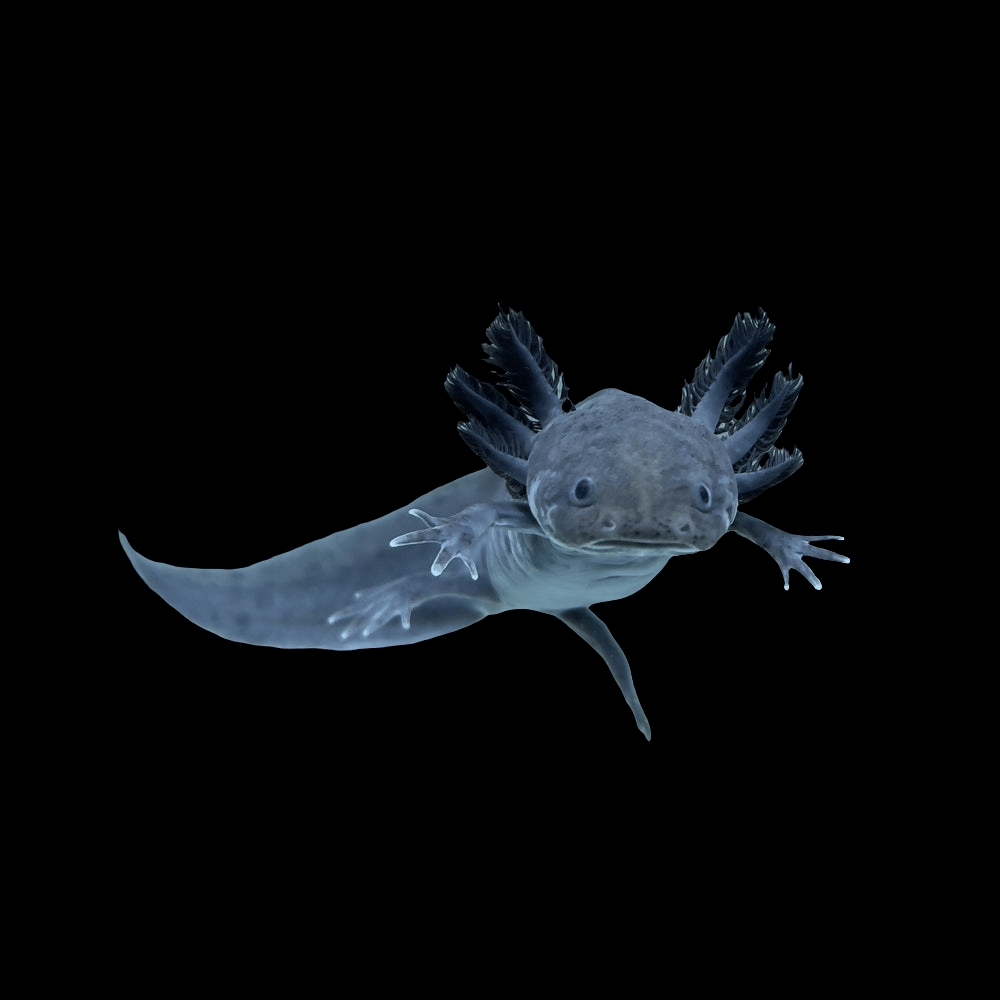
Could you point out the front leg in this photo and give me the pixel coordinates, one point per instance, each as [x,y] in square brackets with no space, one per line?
[785,549]
[458,534]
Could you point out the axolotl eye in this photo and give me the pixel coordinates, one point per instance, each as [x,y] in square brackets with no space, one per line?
[702,497]
[584,493]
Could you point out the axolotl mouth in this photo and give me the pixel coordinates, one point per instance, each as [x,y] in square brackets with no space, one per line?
[640,544]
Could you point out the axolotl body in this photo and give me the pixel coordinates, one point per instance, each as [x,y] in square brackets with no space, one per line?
[577,505]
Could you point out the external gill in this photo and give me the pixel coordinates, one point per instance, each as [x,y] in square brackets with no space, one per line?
[717,391]
[718,388]
[498,432]
[752,440]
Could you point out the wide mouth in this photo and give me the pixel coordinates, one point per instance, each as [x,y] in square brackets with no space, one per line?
[633,543]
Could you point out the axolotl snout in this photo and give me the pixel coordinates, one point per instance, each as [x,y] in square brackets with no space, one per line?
[578,505]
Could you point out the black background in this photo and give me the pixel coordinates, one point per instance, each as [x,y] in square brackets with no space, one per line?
[273,401]
[288,339]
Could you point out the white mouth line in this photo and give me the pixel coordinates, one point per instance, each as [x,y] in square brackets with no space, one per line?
[632,543]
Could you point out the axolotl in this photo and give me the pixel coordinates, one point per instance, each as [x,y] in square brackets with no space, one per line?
[578,504]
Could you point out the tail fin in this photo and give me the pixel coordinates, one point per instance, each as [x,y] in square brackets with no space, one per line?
[219,600]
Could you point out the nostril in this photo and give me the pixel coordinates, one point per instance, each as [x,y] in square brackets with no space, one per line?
[608,525]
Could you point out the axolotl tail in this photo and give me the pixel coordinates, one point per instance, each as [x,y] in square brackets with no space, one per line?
[376,595]
[237,604]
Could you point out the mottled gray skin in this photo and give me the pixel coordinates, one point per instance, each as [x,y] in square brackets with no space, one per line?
[612,490]
[645,464]
[559,555]
[286,600]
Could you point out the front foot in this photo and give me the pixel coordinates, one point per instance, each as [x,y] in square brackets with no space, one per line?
[790,552]
[787,550]
[457,535]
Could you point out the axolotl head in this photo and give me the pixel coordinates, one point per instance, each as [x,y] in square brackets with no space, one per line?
[620,474]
